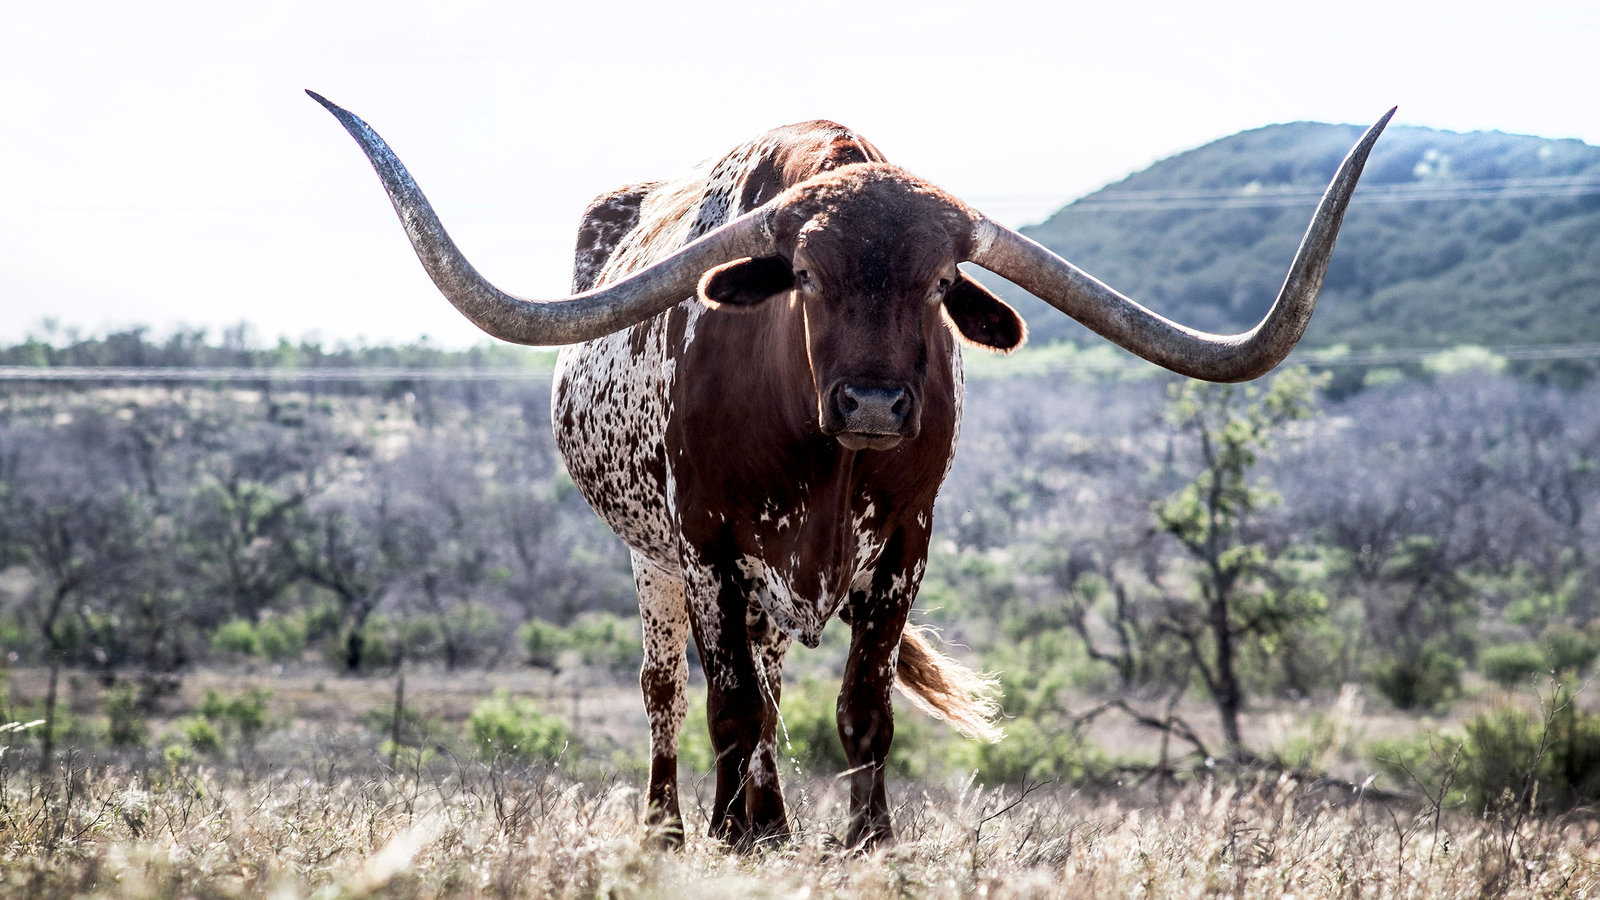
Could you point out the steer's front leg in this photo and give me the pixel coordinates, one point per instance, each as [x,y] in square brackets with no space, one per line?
[741,710]
[866,716]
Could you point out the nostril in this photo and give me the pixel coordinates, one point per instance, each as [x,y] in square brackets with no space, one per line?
[873,410]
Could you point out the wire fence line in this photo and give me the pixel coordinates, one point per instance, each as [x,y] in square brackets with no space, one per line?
[1317,359]
[205,374]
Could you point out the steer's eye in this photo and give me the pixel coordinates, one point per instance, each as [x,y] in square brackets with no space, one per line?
[804,281]
[940,288]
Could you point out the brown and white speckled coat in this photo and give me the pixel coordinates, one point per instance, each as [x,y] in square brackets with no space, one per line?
[696,436]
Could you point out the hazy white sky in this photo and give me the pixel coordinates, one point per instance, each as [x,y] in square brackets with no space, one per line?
[160,165]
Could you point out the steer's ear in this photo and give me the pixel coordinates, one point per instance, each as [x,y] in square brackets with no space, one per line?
[745,282]
[982,318]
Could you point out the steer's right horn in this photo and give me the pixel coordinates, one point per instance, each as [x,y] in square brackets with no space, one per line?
[1187,351]
[564,320]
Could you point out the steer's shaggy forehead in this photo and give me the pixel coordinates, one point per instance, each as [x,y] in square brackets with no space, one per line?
[868,205]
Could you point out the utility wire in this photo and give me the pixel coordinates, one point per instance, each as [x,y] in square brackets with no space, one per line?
[1256,195]
[1286,196]
[1311,358]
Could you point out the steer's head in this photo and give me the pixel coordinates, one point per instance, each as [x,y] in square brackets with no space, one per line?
[866,255]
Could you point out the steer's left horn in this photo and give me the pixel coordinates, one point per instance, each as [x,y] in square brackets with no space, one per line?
[563,320]
[1197,354]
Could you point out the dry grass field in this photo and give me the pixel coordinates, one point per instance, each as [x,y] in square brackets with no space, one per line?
[319,810]
[484,831]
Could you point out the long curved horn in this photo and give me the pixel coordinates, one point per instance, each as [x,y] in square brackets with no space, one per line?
[1197,354]
[564,320]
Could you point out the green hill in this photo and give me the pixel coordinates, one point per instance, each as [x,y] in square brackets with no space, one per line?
[1451,238]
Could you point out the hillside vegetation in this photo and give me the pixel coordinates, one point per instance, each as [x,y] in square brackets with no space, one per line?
[1451,238]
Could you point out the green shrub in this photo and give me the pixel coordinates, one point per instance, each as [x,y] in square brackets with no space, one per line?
[236,638]
[323,621]
[601,640]
[1419,678]
[200,735]
[544,643]
[221,722]
[14,638]
[125,717]
[274,638]
[1510,665]
[505,727]
[282,638]
[418,639]
[1572,772]
[244,717]
[1506,758]
[1532,608]
[1568,651]
[1036,665]
[1501,755]
[1030,751]
[608,641]
[177,756]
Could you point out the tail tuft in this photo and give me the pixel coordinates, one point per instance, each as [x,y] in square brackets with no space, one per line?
[946,689]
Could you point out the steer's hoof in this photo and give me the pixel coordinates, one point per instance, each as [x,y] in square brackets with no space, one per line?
[865,838]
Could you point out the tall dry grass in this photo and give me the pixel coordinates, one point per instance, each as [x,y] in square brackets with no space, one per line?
[337,829]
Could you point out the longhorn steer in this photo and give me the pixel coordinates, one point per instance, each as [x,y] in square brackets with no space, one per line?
[762,401]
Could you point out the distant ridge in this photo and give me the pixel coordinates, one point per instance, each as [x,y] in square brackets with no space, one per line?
[1483,238]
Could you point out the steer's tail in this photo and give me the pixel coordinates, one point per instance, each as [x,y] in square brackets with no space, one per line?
[945,689]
